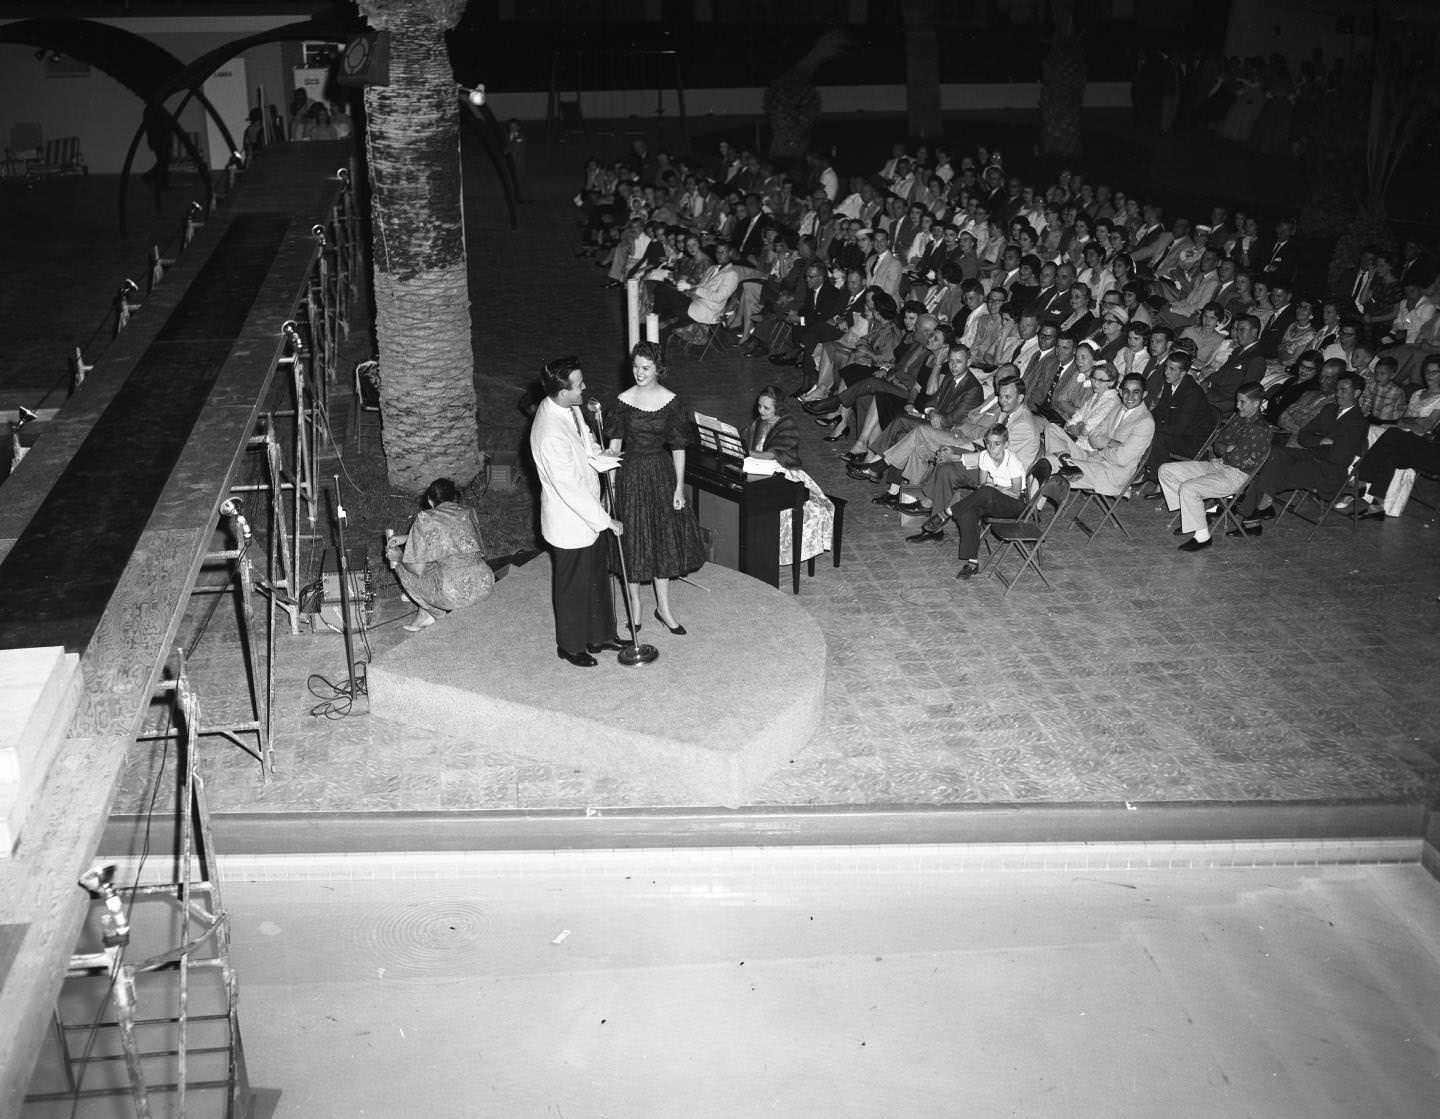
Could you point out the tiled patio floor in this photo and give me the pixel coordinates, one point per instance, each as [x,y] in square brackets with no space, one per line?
[1298,666]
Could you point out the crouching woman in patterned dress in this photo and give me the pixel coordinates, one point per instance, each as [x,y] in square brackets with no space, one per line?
[440,562]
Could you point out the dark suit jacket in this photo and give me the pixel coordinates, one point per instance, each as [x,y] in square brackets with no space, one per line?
[749,237]
[1280,260]
[822,305]
[1254,260]
[1052,303]
[1241,366]
[849,256]
[1274,332]
[1183,417]
[957,399]
[1348,435]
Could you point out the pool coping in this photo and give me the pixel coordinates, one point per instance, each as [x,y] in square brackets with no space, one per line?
[845,825]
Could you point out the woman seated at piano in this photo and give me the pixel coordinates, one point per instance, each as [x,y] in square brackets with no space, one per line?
[773,436]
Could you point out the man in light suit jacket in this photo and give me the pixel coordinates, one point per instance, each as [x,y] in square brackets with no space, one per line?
[572,520]
[883,270]
[1112,467]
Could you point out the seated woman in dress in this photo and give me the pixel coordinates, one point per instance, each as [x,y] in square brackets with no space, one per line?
[440,562]
[773,435]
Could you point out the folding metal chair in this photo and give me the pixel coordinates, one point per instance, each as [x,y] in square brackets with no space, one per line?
[1297,499]
[1225,517]
[1026,534]
[1109,507]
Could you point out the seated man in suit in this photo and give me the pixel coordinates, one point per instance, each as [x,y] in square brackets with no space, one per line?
[1240,446]
[1182,418]
[704,302]
[1108,461]
[1326,447]
[1246,363]
[954,467]
[1319,391]
[959,395]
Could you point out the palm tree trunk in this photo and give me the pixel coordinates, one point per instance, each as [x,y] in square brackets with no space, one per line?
[922,69]
[422,297]
[1062,86]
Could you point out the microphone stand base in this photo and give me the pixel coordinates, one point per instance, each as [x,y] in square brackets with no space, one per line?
[638,654]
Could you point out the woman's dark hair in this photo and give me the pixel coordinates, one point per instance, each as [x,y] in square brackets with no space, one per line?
[884,305]
[654,353]
[775,393]
[555,374]
[440,491]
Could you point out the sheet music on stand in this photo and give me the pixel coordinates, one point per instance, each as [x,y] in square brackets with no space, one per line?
[717,435]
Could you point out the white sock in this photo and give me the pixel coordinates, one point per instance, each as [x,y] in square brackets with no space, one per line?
[1202,536]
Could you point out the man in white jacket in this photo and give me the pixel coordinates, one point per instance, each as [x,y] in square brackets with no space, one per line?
[572,519]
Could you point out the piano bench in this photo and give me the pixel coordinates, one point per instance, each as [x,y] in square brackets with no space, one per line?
[837,536]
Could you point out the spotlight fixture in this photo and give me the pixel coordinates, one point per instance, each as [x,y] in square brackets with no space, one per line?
[475,95]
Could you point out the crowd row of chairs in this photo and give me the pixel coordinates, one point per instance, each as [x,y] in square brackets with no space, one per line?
[1054,502]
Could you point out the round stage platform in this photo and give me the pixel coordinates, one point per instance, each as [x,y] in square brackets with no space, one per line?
[721,709]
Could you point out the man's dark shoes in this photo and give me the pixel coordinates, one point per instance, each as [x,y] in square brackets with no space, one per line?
[932,529]
[1193,545]
[866,472]
[1266,514]
[1247,528]
[891,500]
[614,645]
[783,359]
[579,660]
[967,570]
[821,406]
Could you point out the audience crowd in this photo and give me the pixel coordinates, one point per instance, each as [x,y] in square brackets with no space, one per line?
[970,333]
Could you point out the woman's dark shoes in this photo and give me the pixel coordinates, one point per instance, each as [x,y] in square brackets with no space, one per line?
[827,420]
[834,438]
[678,631]
[1070,470]
[579,660]
[614,645]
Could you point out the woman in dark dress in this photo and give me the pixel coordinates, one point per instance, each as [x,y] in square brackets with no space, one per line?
[662,540]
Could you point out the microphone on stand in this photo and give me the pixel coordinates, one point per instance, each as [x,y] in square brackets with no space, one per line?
[635,653]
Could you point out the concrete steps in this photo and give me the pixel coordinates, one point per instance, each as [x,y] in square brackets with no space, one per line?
[39,691]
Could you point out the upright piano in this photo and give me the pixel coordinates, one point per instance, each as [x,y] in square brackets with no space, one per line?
[741,512]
